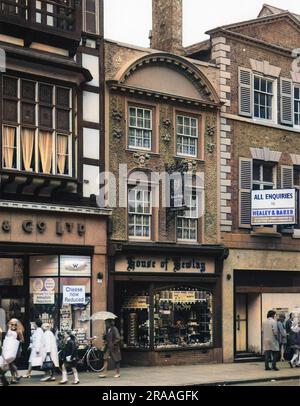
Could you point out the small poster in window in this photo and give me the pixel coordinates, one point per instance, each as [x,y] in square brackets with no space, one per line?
[73,295]
[43,297]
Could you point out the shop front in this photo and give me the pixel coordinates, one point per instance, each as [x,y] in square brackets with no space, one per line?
[169,305]
[58,274]
[255,282]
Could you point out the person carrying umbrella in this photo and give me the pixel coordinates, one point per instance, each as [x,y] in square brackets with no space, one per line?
[112,349]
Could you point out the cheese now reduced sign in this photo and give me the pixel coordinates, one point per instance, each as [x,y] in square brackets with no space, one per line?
[73,295]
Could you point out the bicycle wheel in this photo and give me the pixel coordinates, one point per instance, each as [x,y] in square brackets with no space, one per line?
[94,359]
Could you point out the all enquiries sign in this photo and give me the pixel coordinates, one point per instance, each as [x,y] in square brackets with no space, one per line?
[273,207]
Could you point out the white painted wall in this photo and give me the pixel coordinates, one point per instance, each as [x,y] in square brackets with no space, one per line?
[91,63]
[91,179]
[91,143]
[91,107]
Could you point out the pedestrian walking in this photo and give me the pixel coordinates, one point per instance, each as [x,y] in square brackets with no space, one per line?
[12,347]
[270,341]
[290,323]
[3,364]
[49,353]
[282,336]
[112,349]
[69,358]
[295,345]
[35,359]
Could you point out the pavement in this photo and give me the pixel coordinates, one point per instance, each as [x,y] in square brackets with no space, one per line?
[191,375]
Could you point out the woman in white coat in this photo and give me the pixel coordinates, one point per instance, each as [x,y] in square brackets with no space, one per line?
[49,351]
[11,347]
[35,359]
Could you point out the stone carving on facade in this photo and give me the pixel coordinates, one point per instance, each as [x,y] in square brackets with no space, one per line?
[117,115]
[117,132]
[182,166]
[141,159]
[167,125]
[210,133]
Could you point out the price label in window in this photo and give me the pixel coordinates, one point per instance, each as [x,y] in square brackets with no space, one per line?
[73,295]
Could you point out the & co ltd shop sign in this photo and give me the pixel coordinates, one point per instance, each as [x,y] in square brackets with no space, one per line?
[273,207]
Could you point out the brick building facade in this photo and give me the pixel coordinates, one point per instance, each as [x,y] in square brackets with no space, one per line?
[259,84]
[163,115]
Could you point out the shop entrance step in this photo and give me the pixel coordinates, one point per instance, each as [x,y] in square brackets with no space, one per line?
[248,357]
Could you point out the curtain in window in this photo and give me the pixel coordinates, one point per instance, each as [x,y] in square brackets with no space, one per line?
[45,148]
[62,147]
[9,135]
[27,141]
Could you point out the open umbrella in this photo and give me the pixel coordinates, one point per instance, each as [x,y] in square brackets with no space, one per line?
[103,316]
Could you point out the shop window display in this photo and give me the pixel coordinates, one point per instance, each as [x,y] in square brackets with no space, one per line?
[60,293]
[44,300]
[135,327]
[170,318]
[182,318]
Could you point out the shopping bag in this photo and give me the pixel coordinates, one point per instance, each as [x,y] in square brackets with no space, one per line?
[10,349]
[3,365]
[48,364]
[288,354]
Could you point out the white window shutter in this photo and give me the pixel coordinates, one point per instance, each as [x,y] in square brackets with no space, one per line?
[245,92]
[286,101]
[287,177]
[245,188]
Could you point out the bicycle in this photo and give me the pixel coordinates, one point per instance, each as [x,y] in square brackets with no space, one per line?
[92,357]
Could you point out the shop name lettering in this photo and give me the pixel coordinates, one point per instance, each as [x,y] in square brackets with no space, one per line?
[178,265]
[29,226]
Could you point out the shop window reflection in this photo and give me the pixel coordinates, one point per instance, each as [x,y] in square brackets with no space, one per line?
[182,318]
[135,321]
[11,272]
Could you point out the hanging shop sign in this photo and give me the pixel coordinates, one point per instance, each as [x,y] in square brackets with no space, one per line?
[73,295]
[165,265]
[273,207]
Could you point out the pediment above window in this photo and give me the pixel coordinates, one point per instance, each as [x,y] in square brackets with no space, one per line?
[265,68]
[265,154]
[295,159]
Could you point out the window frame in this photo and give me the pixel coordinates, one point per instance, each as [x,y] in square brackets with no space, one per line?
[274,106]
[97,18]
[190,218]
[296,85]
[135,214]
[144,108]
[296,169]
[261,182]
[190,116]
[37,128]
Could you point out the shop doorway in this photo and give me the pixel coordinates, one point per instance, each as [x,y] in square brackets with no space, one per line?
[241,323]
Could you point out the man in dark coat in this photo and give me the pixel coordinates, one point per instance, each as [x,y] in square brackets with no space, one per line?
[112,349]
